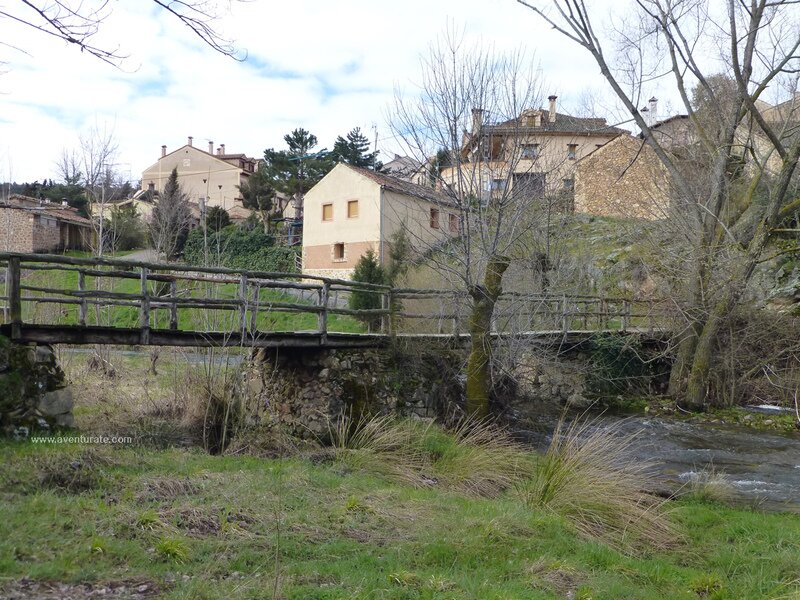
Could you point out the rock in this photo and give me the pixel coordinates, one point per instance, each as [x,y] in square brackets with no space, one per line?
[747,418]
[56,402]
[65,421]
[768,422]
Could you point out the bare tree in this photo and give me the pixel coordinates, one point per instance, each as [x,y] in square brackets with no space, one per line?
[77,23]
[490,192]
[736,182]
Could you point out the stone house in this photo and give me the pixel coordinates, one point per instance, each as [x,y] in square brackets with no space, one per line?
[623,178]
[208,178]
[30,225]
[535,152]
[352,210]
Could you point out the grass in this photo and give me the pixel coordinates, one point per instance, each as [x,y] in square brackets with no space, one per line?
[397,509]
[347,534]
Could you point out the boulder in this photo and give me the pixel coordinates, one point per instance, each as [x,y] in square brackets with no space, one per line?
[57,402]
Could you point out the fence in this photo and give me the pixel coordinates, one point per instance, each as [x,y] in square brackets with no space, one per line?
[113,294]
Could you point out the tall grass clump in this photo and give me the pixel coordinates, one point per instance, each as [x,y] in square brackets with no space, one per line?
[710,485]
[381,445]
[589,477]
[478,458]
[475,457]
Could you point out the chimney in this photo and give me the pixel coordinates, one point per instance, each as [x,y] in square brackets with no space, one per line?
[190,141]
[219,150]
[210,147]
[477,120]
[223,148]
[653,109]
[163,151]
[552,116]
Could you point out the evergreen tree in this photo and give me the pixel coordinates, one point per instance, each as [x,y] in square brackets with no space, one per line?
[296,170]
[354,150]
[217,218]
[259,195]
[171,219]
[368,270]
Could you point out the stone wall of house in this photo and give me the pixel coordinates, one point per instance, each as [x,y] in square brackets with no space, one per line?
[16,230]
[33,391]
[46,237]
[623,179]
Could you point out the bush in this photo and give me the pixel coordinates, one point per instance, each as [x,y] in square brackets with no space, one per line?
[368,270]
[238,248]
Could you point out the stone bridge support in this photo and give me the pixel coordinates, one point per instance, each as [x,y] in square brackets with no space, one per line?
[33,392]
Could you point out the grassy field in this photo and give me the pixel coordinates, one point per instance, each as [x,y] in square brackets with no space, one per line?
[146,519]
[188,525]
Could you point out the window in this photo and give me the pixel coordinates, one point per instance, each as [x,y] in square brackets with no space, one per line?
[455,226]
[530,151]
[569,185]
[327,212]
[498,185]
[151,187]
[338,251]
[572,151]
[529,185]
[434,218]
[352,209]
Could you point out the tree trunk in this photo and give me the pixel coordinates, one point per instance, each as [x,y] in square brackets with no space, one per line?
[484,298]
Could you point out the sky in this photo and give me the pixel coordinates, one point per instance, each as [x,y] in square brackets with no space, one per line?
[325,66]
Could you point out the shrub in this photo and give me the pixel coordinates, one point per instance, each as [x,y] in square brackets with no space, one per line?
[368,270]
[240,248]
[587,475]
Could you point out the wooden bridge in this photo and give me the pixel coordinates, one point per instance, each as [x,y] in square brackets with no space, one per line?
[67,300]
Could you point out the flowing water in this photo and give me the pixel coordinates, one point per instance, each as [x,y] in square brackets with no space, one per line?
[762,467]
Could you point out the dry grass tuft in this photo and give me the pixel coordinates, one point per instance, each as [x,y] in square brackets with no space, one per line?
[382,446]
[165,489]
[588,477]
[478,458]
[710,485]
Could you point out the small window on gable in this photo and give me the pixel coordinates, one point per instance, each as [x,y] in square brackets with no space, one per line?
[572,151]
[327,212]
[454,224]
[338,251]
[434,218]
[352,209]
[151,187]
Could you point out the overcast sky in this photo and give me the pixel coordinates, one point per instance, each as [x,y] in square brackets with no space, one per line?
[326,66]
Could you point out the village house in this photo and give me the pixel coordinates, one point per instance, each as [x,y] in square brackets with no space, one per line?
[208,178]
[32,225]
[352,210]
[534,153]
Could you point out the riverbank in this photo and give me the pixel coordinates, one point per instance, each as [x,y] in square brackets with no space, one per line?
[141,522]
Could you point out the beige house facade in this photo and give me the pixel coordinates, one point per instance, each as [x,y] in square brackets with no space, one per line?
[352,210]
[534,153]
[623,178]
[210,178]
[30,225]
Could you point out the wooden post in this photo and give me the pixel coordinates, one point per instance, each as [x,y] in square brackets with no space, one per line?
[14,297]
[254,308]
[322,318]
[626,309]
[242,304]
[173,309]
[83,307]
[144,311]
[564,319]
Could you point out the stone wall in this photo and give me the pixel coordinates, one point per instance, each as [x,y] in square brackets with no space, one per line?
[306,390]
[624,179]
[33,392]
[47,234]
[16,230]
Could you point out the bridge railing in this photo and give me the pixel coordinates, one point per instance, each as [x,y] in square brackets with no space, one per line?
[49,290]
[114,293]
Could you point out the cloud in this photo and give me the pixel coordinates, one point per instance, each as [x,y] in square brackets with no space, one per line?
[326,66]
